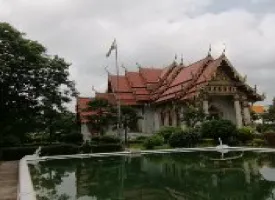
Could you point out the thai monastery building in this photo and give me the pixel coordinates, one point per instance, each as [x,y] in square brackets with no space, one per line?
[161,94]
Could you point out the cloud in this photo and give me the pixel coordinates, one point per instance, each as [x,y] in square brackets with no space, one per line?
[148,32]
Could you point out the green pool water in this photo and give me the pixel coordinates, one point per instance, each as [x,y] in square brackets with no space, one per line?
[177,176]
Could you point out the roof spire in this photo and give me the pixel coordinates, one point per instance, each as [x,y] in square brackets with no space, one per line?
[122,66]
[176,57]
[209,50]
[224,49]
[105,68]
[93,88]
[138,65]
[181,60]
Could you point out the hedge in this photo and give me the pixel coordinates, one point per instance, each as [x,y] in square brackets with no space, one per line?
[63,149]
[16,153]
[106,139]
[104,148]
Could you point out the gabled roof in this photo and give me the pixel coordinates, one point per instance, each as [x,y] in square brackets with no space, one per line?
[151,75]
[175,82]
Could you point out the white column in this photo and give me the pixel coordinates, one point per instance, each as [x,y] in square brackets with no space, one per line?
[86,135]
[166,118]
[205,105]
[238,112]
[156,120]
[246,112]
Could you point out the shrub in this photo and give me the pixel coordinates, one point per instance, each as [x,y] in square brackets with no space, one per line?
[86,147]
[16,153]
[103,148]
[62,149]
[108,139]
[207,142]
[265,128]
[141,138]
[74,138]
[151,142]
[184,138]
[270,138]
[138,140]
[10,141]
[215,129]
[258,142]
[167,131]
[245,134]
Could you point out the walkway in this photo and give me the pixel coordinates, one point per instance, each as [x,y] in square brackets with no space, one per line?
[8,180]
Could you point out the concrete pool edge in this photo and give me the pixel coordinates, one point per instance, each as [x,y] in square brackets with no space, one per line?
[26,189]
[25,186]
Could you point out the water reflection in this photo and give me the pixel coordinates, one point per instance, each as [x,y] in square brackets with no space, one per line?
[182,176]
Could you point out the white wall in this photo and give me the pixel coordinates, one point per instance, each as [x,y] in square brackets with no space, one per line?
[85,132]
[226,105]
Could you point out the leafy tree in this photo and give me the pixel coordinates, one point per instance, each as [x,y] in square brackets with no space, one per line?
[269,115]
[102,114]
[192,115]
[33,84]
[63,127]
[222,128]
[129,119]
[254,115]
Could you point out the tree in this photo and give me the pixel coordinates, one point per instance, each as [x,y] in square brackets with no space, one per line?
[192,115]
[102,114]
[63,126]
[33,84]
[129,120]
[269,115]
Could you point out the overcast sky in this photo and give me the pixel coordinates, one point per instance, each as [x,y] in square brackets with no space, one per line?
[150,32]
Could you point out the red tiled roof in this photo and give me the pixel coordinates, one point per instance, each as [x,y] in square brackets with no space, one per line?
[122,83]
[108,96]
[151,75]
[81,106]
[135,79]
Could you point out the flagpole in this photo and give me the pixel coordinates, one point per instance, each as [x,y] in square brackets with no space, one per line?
[118,97]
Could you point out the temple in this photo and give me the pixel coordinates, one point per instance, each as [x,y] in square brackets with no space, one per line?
[160,95]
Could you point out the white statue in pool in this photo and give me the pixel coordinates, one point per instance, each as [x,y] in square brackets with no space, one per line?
[222,148]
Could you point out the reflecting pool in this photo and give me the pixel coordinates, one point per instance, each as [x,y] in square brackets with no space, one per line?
[180,176]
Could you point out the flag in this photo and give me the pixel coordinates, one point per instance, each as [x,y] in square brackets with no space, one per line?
[113,46]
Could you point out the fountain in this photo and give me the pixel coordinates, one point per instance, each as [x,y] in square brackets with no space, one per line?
[223,149]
